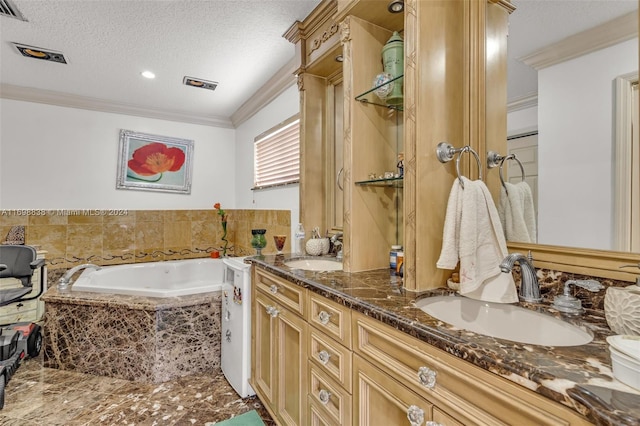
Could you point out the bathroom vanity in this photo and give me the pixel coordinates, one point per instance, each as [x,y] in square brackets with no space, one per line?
[336,348]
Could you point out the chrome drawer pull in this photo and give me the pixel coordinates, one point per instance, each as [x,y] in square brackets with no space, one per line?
[324,396]
[324,356]
[427,377]
[415,415]
[323,317]
[432,423]
[273,289]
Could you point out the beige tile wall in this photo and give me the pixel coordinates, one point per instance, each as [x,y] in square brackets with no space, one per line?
[107,237]
[276,222]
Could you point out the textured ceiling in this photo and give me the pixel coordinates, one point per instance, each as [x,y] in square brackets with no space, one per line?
[108,43]
[237,43]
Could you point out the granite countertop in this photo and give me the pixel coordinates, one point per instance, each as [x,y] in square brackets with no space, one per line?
[579,377]
[143,303]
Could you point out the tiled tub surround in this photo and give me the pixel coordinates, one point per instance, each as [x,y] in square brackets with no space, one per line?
[137,338]
[108,237]
[579,377]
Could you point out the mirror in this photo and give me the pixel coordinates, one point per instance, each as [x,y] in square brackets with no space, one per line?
[578,102]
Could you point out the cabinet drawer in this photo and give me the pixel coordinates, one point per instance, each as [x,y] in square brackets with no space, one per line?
[330,357]
[329,396]
[330,317]
[289,295]
[317,416]
[454,385]
[378,399]
[444,419]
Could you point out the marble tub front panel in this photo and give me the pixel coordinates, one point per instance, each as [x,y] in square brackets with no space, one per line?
[142,342]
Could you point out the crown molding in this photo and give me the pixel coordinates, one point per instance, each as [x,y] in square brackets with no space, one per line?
[30,94]
[527,101]
[282,80]
[613,32]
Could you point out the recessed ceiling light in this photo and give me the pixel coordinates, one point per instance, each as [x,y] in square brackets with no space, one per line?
[39,53]
[200,83]
[148,74]
[395,6]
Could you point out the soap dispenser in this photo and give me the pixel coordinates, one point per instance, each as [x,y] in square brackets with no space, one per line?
[571,304]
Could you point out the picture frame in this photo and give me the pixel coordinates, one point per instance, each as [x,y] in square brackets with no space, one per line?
[149,162]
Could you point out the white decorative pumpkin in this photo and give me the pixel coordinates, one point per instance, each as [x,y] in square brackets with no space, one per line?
[326,245]
[317,246]
[314,247]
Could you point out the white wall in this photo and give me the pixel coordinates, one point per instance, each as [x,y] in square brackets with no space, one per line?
[281,198]
[65,158]
[575,112]
[522,121]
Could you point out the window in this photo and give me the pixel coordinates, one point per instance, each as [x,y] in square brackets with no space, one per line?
[277,155]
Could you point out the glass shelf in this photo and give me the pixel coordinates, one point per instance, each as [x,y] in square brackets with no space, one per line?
[394,181]
[369,97]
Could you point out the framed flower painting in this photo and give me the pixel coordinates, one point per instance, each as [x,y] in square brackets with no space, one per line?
[154,163]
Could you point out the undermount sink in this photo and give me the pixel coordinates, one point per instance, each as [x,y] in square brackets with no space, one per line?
[509,322]
[315,264]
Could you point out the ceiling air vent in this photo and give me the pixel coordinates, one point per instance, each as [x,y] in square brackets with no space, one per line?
[8,9]
[38,53]
[200,83]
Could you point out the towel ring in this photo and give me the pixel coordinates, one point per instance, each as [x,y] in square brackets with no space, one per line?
[445,152]
[496,160]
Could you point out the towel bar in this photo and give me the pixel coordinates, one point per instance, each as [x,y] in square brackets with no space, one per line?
[494,160]
[445,153]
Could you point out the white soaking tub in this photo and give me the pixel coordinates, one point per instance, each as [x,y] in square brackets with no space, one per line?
[155,279]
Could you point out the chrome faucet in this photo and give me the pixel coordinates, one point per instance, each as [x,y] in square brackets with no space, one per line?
[529,285]
[65,281]
[336,240]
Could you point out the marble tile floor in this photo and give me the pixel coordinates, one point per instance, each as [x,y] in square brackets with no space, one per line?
[36,396]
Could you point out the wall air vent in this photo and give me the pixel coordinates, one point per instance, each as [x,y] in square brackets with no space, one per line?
[200,83]
[38,53]
[8,9]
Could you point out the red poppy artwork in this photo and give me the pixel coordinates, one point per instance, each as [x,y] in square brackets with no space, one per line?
[156,163]
[156,158]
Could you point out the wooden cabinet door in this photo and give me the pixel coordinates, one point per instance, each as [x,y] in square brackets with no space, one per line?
[380,400]
[264,349]
[291,353]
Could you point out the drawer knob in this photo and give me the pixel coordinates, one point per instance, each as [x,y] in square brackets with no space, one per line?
[324,317]
[324,396]
[273,289]
[427,377]
[415,415]
[324,356]
[271,310]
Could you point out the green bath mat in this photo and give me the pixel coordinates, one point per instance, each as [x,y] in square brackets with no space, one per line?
[251,418]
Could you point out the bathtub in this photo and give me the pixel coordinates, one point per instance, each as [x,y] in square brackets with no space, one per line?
[155,279]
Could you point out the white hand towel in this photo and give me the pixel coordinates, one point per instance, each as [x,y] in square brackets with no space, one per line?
[473,235]
[517,212]
[449,255]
